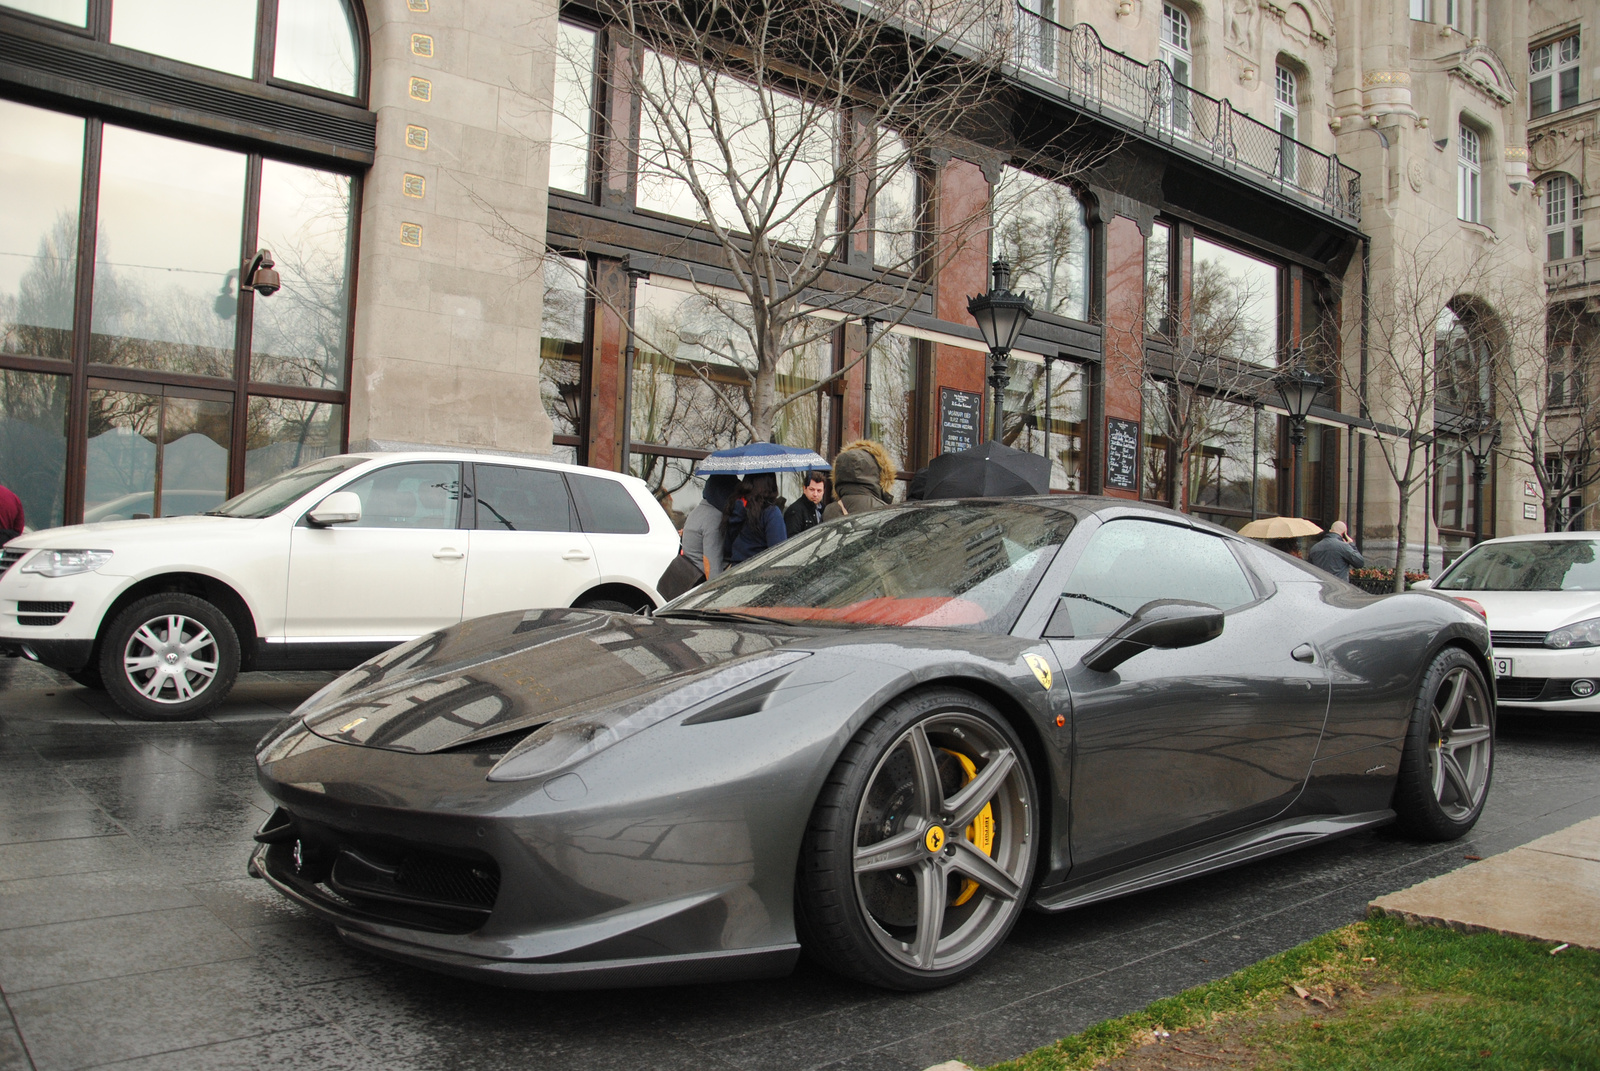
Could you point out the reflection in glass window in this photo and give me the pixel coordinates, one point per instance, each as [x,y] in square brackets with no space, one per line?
[166,296]
[298,334]
[218,34]
[41,165]
[514,499]
[151,456]
[1457,491]
[573,113]
[1156,481]
[1233,456]
[1040,227]
[1234,304]
[285,433]
[1461,361]
[892,368]
[1158,280]
[315,46]
[1047,413]
[698,126]
[894,210]
[423,494]
[561,342]
[1131,562]
[33,443]
[75,12]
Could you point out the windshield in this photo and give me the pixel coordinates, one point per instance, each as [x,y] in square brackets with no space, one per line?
[279,491]
[968,566]
[1534,565]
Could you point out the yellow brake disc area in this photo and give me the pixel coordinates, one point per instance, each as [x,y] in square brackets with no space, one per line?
[980,832]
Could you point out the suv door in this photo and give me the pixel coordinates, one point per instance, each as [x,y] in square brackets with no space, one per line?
[619,531]
[526,548]
[396,573]
[1174,746]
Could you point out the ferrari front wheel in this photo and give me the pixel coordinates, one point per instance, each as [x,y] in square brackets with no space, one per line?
[920,850]
[1449,750]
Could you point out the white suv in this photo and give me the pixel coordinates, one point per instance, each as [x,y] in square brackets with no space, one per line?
[322,568]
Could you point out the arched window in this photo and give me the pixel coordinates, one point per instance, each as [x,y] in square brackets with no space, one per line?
[1553,77]
[316,46]
[1461,361]
[1563,216]
[1469,175]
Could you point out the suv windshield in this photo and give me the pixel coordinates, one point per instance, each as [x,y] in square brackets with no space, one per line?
[1533,565]
[953,566]
[279,491]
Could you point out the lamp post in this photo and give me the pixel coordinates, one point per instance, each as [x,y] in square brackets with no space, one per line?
[1480,444]
[1298,388]
[1001,315]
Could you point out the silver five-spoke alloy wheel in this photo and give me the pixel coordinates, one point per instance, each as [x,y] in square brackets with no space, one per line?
[171,659]
[941,852]
[1460,740]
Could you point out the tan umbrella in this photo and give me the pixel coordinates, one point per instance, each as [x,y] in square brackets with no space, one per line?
[1280,528]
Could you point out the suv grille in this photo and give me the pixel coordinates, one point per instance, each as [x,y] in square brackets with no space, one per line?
[1516,639]
[42,613]
[8,558]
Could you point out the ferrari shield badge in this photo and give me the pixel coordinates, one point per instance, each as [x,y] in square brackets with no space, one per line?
[1041,669]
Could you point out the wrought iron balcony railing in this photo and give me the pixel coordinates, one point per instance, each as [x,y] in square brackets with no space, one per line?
[1147,96]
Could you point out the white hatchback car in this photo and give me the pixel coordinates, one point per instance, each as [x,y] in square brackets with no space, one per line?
[1542,595]
[322,568]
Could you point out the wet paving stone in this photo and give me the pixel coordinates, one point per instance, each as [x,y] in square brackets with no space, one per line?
[129,934]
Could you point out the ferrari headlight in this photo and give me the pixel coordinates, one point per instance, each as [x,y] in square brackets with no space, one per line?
[66,562]
[1577,634]
[569,740]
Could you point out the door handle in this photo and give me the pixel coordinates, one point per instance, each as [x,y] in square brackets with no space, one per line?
[448,554]
[1303,653]
[575,555]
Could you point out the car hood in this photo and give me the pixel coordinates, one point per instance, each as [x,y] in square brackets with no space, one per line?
[109,535]
[1534,611]
[510,673]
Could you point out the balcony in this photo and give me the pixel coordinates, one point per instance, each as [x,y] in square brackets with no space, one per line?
[1148,99]
[1574,273]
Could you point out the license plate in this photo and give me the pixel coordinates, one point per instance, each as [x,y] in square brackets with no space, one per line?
[1502,667]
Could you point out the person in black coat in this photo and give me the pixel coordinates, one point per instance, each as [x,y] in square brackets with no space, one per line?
[807,509]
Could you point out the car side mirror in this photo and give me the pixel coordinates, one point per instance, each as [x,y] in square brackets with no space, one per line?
[1161,623]
[1422,585]
[341,507]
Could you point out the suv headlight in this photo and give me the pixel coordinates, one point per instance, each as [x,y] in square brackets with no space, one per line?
[1577,634]
[66,562]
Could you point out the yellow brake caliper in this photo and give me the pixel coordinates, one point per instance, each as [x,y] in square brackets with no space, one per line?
[980,832]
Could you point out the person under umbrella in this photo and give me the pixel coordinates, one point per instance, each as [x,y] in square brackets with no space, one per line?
[863,474]
[752,521]
[702,529]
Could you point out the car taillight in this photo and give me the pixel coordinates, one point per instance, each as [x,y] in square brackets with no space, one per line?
[1474,605]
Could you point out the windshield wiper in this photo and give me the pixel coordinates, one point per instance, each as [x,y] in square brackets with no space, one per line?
[1097,602]
[723,615]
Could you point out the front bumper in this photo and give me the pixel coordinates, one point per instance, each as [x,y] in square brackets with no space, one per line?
[1544,679]
[54,620]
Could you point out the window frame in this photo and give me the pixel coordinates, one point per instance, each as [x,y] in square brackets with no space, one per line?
[1469,174]
[1547,66]
[1569,207]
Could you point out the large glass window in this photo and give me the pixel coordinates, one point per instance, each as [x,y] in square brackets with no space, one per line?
[165,295]
[285,433]
[1553,76]
[155,454]
[1456,490]
[891,400]
[75,12]
[1047,413]
[298,334]
[1158,280]
[33,443]
[219,34]
[1563,216]
[315,46]
[1041,228]
[894,210]
[561,338]
[1461,362]
[573,113]
[1233,462]
[1156,443]
[1234,303]
[41,164]
[1469,174]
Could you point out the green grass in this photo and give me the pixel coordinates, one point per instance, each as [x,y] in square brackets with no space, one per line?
[1412,998]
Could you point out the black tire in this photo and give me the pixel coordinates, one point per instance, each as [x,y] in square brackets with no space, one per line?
[860,914]
[610,606]
[1448,759]
[89,676]
[169,657]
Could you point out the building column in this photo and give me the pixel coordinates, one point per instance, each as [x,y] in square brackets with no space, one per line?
[1124,337]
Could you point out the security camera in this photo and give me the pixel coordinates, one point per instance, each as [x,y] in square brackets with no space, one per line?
[261,275]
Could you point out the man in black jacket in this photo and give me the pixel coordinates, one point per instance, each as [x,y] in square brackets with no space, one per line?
[1333,552]
[807,509]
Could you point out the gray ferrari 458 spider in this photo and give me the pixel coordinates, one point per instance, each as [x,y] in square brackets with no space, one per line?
[878,742]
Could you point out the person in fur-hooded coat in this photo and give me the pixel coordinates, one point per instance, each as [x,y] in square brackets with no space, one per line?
[863,475]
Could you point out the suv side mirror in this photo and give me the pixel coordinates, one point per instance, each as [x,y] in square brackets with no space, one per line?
[1422,585]
[341,507]
[1163,623]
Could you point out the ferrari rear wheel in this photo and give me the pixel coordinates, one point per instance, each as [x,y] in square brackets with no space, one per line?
[1449,750]
[920,850]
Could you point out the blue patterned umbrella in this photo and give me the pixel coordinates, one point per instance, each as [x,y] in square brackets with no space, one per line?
[761,457]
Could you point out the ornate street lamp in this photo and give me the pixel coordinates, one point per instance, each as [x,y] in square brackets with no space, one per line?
[1001,316]
[1481,444]
[1298,388]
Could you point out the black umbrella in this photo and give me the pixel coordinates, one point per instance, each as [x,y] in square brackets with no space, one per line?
[987,471]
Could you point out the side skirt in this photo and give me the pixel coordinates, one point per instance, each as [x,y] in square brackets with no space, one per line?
[317,655]
[1218,855]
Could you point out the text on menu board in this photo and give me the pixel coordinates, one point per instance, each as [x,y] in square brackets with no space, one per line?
[959,413]
[1122,454]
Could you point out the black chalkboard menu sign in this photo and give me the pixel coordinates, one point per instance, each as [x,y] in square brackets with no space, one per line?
[960,413]
[1122,454]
